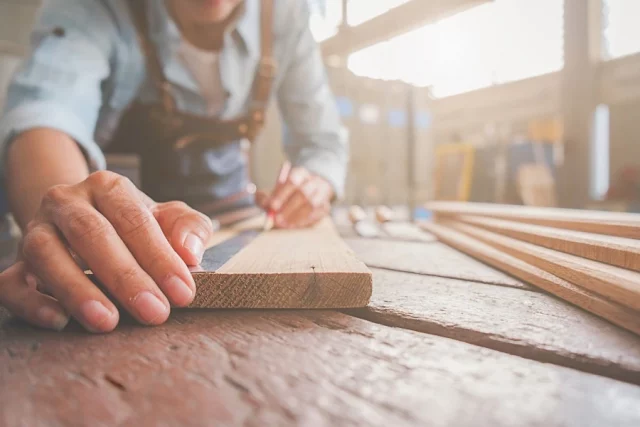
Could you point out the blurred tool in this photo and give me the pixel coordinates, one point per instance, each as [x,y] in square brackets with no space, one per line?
[398,228]
[536,184]
[282,178]
[361,225]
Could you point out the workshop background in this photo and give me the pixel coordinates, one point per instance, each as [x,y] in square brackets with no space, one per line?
[530,102]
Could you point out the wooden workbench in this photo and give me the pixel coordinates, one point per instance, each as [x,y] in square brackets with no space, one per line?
[452,343]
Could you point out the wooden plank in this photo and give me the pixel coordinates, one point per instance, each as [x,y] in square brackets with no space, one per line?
[254,223]
[527,324]
[590,301]
[285,369]
[308,268]
[614,283]
[612,223]
[617,251]
[434,259]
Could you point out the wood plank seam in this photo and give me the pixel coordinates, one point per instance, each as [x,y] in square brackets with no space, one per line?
[458,278]
[586,364]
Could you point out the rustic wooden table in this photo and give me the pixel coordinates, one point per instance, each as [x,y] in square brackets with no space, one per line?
[446,341]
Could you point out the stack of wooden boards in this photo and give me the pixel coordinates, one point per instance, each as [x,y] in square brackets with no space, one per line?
[588,258]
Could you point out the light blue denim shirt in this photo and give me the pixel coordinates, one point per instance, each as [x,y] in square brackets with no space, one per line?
[85,67]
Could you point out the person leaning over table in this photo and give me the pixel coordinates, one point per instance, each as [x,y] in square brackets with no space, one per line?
[180,83]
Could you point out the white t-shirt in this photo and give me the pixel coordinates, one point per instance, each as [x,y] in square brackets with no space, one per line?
[204,67]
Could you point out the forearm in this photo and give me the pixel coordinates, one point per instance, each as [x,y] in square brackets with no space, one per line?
[36,161]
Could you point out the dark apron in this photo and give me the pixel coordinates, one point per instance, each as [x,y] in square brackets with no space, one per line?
[173,146]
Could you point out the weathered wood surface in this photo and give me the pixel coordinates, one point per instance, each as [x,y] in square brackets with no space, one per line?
[434,259]
[590,301]
[612,223]
[406,231]
[613,250]
[288,368]
[308,268]
[615,283]
[528,324]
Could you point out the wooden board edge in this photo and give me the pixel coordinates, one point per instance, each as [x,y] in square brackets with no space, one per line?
[598,222]
[614,283]
[614,313]
[618,251]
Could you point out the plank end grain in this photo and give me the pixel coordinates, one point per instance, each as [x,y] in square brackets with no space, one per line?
[286,269]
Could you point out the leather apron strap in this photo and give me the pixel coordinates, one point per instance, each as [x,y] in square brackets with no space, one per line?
[246,127]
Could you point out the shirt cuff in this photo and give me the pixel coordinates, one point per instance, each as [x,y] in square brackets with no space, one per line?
[327,166]
[53,116]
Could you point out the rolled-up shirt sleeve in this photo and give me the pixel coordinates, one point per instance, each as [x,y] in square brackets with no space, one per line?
[314,137]
[59,84]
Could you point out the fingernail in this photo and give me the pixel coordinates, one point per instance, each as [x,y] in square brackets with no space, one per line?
[149,307]
[95,314]
[178,290]
[57,319]
[276,205]
[194,245]
[215,224]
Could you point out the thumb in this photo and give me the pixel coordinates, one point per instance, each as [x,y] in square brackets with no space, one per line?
[187,230]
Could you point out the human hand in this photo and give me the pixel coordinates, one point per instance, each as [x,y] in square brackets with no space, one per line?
[137,249]
[299,200]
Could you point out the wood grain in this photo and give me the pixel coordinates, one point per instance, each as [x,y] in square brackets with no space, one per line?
[590,301]
[308,268]
[434,259]
[612,250]
[614,283]
[528,324]
[226,233]
[611,223]
[288,369]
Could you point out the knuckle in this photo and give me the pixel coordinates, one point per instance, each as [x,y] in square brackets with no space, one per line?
[108,181]
[36,241]
[197,223]
[101,178]
[86,224]
[123,279]
[132,220]
[177,205]
[57,195]
[31,225]
[160,261]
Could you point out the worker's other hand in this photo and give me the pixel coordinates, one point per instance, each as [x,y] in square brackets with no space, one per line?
[299,201]
[137,249]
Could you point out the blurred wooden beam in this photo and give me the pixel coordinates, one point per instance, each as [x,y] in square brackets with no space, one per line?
[10,48]
[579,98]
[396,21]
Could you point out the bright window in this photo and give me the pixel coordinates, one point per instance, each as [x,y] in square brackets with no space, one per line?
[621,31]
[494,43]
